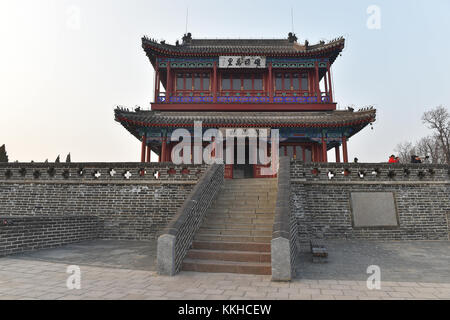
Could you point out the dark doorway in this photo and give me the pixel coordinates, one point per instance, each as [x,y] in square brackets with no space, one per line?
[242,171]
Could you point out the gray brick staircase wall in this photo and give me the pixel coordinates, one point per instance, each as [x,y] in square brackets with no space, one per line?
[20,234]
[322,205]
[177,238]
[284,250]
[136,207]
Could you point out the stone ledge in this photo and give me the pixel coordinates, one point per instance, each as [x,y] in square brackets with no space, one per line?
[102,182]
[337,182]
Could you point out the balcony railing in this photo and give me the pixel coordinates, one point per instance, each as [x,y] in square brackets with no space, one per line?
[244,98]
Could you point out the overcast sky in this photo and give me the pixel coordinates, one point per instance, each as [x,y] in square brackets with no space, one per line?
[65,65]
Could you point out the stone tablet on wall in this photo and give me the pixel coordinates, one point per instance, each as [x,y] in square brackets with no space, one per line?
[374,209]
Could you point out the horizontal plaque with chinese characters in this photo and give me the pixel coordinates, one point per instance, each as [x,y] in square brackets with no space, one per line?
[242,62]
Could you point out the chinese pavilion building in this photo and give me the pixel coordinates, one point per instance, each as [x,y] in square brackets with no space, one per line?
[246,83]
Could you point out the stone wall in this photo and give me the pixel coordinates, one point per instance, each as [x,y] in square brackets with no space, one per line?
[179,234]
[133,201]
[284,249]
[321,199]
[19,234]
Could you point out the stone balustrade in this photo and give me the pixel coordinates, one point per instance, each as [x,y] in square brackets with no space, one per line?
[98,172]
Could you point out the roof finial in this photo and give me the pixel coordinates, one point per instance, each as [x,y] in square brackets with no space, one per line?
[187,38]
[292,37]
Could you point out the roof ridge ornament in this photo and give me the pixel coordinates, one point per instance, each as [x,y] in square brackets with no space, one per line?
[187,38]
[292,37]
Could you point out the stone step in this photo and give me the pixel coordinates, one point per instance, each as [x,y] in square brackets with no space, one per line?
[231,238]
[218,266]
[234,220]
[253,210]
[232,226]
[252,181]
[234,232]
[243,203]
[240,196]
[252,190]
[228,255]
[239,215]
[231,246]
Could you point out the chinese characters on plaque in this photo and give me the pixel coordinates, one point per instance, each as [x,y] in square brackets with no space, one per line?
[242,62]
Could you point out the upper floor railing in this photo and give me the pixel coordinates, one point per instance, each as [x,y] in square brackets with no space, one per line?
[231,97]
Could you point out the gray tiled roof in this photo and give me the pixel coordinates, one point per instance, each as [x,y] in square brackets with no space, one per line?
[244,46]
[235,119]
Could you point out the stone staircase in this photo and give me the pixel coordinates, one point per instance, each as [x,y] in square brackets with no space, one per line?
[236,234]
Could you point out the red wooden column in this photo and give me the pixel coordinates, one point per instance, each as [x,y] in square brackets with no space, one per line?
[214,87]
[143,147]
[163,149]
[325,81]
[315,158]
[329,81]
[156,84]
[149,153]
[338,154]
[324,149]
[319,99]
[344,149]
[169,83]
[270,83]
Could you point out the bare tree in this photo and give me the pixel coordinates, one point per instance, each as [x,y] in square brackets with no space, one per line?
[404,151]
[431,146]
[438,120]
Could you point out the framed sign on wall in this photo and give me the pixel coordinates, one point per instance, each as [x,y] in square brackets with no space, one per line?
[242,62]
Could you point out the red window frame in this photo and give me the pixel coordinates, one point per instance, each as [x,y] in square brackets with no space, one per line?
[192,73]
[290,74]
[243,75]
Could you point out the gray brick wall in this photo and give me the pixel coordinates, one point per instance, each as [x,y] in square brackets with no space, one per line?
[137,208]
[322,205]
[177,238]
[20,234]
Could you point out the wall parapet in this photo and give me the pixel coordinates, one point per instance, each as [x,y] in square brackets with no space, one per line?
[284,249]
[98,172]
[177,238]
[382,172]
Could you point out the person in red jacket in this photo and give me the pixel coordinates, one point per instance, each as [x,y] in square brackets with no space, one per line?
[392,159]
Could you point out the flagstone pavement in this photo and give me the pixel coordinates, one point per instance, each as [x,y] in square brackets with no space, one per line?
[28,279]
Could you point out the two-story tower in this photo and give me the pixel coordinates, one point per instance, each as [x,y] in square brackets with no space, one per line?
[246,83]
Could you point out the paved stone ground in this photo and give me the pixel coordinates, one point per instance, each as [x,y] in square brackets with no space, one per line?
[416,261]
[136,255]
[42,275]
